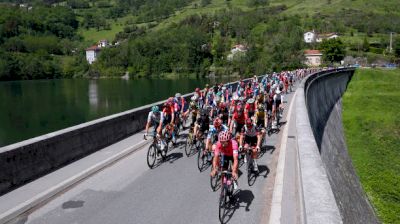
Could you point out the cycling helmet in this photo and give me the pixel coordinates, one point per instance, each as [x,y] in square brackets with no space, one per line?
[170,100]
[235,97]
[177,95]
[217,122]
[194,98]
[260,107]
[192,104]
[155,109]
[197,90]
[224,136]
[250,101]
[241,99]
[222,105]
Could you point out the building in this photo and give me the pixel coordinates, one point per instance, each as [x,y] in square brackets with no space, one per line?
[92,53]
[310,37]
[326,36]
[313,57]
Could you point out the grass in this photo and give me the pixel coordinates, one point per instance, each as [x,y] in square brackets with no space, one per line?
[371,121]
[311,7]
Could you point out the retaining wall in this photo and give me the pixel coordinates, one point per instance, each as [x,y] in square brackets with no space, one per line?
[330,185]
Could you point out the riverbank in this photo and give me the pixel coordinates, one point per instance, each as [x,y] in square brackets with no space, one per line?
[372,129]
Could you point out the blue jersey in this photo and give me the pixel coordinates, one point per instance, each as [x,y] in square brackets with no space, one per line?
[213,132]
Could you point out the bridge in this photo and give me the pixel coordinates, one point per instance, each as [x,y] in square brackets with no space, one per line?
[96,172]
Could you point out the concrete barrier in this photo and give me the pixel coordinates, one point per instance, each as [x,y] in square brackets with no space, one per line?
[28,160]
[331,189]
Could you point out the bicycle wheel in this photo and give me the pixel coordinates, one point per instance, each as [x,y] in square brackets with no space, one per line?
[164,152]
[214,181]
[189,144]
[223,198]
[249,168]
[201,158]
[151,155]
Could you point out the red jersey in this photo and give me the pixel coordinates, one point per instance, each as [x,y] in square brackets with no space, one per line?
[240,119]
[168,110]
[230,150]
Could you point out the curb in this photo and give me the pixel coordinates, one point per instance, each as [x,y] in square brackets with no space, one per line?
[46,195]
[276,204]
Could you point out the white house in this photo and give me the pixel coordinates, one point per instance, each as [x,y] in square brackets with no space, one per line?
[92,53]
[324,36]
[313,57]
[103,43]
[310,37]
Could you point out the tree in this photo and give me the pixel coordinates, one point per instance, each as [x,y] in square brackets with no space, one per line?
[333,50]
[365,45]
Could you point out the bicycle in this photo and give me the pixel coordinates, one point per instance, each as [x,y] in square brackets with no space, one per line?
[189,146]
[155,150]
[250,165]
[226,197]
[202,156]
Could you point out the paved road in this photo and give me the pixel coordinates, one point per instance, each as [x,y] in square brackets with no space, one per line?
[174,192]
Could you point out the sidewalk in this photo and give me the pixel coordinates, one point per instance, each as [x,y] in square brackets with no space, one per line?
[43,189]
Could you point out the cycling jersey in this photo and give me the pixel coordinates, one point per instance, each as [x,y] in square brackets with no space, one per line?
[251,132]
[213,132]
[230,150]
[155,117]
[240,119]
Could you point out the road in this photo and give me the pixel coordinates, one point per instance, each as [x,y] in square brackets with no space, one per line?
[173,192]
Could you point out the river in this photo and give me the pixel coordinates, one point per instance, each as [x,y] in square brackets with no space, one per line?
[33,108]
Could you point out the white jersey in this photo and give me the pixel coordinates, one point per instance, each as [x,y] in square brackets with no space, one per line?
[155,117]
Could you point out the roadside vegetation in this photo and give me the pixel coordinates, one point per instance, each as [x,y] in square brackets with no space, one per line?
[372,129]
[48,38]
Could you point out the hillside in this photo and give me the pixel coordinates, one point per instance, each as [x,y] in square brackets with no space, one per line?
[271,30]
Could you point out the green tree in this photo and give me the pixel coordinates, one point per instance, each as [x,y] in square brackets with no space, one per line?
[333,50]
[365,45]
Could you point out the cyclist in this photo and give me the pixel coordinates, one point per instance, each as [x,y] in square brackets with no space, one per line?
[223,113]
[169,117]
[228,149]
[251,137]
[250,108]
[202,124]
[155,119]
[238,119]
[277,105]
[212,135]
[260,118]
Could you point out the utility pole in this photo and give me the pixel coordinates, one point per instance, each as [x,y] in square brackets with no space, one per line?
[390,48]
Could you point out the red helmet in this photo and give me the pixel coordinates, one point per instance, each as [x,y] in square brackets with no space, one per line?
[249,122]
[222,105]
[224,136]
[197,90]
[217,122]
[170,100]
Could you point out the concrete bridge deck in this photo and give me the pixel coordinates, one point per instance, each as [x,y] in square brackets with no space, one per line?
[115,185]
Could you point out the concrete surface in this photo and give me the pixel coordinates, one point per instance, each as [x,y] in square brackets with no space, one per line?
[325,111]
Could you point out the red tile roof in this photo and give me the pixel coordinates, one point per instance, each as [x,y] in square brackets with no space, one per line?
[312,52]
[93,48]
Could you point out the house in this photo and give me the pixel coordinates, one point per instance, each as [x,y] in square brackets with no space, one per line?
[92,53]
[313,57]
[324,36]
[103,43]
[310,37]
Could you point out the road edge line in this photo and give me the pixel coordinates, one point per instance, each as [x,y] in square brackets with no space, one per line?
[276,204]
